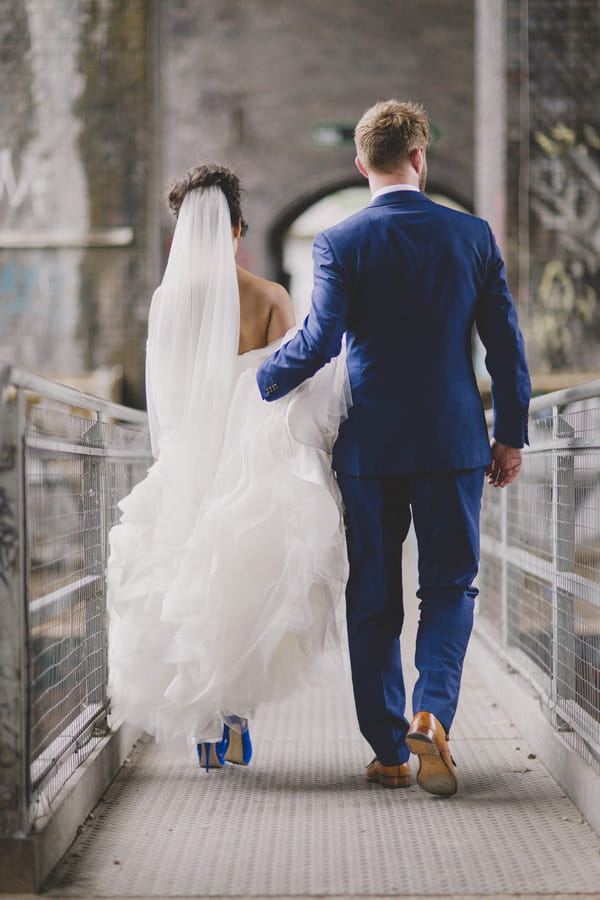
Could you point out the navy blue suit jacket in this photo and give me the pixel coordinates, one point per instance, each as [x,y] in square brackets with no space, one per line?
[405,279]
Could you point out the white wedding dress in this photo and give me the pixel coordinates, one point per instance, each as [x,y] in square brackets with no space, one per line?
[227,570]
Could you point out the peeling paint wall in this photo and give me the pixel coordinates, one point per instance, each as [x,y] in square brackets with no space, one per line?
[115,144]
[74,151]
[39,289]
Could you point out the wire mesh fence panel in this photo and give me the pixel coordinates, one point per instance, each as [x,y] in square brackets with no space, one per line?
[529,513]
[491,516]
[490,593]
[76,469]
[541,566]
[529,617]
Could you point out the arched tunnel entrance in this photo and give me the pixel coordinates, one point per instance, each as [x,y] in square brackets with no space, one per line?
[317,206]
[292,234]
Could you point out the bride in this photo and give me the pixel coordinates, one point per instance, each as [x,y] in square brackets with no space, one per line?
[227,570]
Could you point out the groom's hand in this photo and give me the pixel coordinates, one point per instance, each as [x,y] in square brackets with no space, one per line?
[505,465]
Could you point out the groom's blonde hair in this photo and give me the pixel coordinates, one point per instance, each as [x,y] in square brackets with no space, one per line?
[388,132]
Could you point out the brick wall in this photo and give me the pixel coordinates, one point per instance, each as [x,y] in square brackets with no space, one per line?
[246,83]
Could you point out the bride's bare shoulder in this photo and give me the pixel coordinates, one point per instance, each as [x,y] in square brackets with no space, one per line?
[266,310]
[260,290]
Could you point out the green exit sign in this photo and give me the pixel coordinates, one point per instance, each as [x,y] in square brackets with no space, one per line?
[333,134]
[340,133]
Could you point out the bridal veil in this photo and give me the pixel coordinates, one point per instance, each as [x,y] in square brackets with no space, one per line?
[193,337]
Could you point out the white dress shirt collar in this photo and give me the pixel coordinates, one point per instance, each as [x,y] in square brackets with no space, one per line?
[394,187]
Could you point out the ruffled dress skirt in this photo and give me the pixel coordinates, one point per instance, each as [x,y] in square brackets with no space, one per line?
[223,601]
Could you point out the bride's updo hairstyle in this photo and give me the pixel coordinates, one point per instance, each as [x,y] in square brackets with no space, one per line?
[209,176]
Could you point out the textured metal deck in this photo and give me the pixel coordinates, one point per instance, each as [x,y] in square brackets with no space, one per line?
[301,820]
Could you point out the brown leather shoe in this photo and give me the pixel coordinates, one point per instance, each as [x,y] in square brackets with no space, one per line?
[427,738]
[389,776]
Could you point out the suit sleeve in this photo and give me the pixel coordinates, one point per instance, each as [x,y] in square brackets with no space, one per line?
[496,322]
[320,338]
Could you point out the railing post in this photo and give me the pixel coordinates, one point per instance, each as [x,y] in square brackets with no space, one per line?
[103,489]
[14,674]
[94,564]
[563,551]
[504,610]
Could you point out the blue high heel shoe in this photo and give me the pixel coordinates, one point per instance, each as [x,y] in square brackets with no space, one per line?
[239,745]
[212,756]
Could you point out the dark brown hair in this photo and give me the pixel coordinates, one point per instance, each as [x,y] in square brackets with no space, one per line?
[209,176]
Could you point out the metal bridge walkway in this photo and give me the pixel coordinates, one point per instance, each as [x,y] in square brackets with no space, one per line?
[301,820]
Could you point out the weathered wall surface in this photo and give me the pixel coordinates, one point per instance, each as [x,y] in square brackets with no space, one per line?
[105,101]
[551,169]
[74,150]
[564,182]
[116,142]
[43,186]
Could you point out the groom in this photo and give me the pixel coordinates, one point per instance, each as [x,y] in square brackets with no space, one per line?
[405,279]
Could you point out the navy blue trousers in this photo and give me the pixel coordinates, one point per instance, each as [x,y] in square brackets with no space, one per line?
[445,508]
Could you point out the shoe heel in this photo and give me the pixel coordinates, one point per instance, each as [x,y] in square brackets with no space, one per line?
[390,781]
[421,743]
[212,756]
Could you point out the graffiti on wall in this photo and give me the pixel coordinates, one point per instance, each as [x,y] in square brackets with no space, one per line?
[21,182]
[38,310]
[8,538]
[36,286]
[565,202]
[26,281]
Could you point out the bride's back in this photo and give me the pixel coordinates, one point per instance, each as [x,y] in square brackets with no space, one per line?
[266,311]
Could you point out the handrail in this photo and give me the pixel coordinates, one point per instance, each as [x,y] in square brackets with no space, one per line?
[62,393]
[587,391]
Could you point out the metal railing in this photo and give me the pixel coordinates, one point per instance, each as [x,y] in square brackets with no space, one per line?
[66,459]
[539,578]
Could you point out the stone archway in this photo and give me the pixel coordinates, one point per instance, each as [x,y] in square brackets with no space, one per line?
[278,230]
[291,234]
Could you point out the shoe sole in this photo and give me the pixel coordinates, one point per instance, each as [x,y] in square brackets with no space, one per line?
[235,751]
[433,776]
[390,782]
[393,781]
